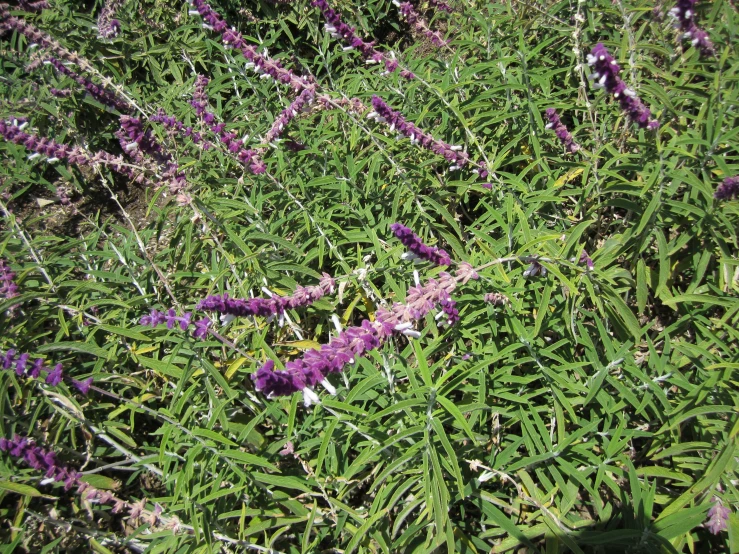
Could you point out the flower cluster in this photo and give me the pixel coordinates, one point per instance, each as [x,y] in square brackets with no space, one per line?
[8,288]
[587,260]
[24,367]
[684,13]
[60,93]
[728,189]
[409,13]
[13,132]
[561,131]
[108,26]
[45,460]
[417,248]
[31,6]
[338,29]
[496,299]
[268,307]
[305,373]
[303,100]
[441,5]
[718,517]
[231,140]
[170,317]
[606,72]
[98,92]
[385,114]
[233,39]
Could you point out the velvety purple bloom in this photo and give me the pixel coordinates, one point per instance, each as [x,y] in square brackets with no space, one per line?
[303,100]
[414,243]
[233,39]
[98,92]
[718,518]
[585,259]
[605,73]
[727,190]
[8,288]
[561,131]
[83,386]
[268,307]
[338,29]
[441,5]
[31,6]
[305,373]
[684,12]
[409,13]
[384,114]
[230,140]
[170,317]
[54,377]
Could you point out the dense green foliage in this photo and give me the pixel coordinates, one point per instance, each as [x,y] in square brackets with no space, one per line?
[595,411]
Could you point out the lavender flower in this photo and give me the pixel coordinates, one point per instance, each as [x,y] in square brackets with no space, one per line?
[718,517]
[171,122]
[233,39]
[606,72]
[305,373]
[496,299]
[561,131]
[22,368]
[418,249]
[384,114]
[46,461]
[31,6]
[108,26]
[98,92]
[585,259]
[13,132]
[8,289]
[408,12]
[170,317]
[231,140]
[303,100]
[268,307]
[338,29]
[684,13]
[728,189]
[441,5]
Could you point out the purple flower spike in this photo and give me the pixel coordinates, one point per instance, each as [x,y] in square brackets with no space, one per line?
[8,289]
[728,189]
[605,73]
[414,243]
[340,30]
[561,131]
[98,92]
[108,26]
[170,317]
[410,14]
[384,114]
[83,386]
[585,259]
[718,517]
[306,372]
[684,13]
[31,6]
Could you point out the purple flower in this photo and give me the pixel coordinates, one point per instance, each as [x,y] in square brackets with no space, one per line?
[31,6]
[605,73]
[585,259]
[727,190]
[441,5]
[384,114]
[8,289]
[535,269]
[98,92]
[233,39]
[340,30]
[684,13]
[54,377]
[108,26]
[170,317]
[83,386]
[306,372]
[561,131]
[718,517]
[496,299]
[303,100]
[409,13]
[420,250]
[267,307]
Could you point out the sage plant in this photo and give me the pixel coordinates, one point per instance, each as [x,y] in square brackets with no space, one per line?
[684,13]
[728,189]
[417,248]
[561,131]
[184,322]
[8,288]
[108,25]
